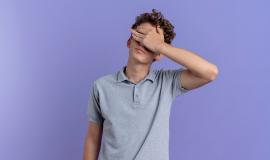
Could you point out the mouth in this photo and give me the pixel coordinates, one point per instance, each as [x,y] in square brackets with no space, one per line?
[139,50]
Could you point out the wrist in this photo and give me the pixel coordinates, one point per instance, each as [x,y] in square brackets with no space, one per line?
[162,48]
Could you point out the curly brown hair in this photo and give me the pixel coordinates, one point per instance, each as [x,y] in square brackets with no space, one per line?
[156,18]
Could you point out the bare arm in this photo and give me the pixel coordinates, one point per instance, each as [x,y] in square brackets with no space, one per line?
[92,141]
[199,71]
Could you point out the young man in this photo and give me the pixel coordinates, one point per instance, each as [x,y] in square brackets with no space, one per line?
[129,110]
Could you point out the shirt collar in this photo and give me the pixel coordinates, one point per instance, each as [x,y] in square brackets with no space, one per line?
[122,77]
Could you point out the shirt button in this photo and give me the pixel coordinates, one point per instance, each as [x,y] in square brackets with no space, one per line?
[137,102]
[137,95]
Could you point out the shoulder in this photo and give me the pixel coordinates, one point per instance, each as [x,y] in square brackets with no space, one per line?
[168,73]
[104,80]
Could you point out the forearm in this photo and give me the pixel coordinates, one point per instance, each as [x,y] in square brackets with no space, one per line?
[91,149]
[196,64]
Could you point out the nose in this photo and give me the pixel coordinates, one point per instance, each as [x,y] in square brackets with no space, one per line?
[138,43]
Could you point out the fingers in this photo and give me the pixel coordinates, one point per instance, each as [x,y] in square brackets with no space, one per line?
[137,33]
[139,39]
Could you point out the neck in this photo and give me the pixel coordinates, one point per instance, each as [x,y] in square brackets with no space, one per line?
[136,72]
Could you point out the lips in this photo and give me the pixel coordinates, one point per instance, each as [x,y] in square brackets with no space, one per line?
[140,49]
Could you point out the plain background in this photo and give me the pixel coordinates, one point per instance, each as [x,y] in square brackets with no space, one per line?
[51,51]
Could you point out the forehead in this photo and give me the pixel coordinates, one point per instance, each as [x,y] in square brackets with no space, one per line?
[146,25]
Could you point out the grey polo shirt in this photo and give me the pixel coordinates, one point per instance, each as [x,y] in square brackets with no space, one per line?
[135,117]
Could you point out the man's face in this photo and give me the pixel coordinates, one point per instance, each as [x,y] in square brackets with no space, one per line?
[138,52]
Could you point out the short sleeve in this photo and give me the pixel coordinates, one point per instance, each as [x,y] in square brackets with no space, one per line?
[94,111]
[173,78]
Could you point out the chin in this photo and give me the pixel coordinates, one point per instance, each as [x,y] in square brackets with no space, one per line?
[142,59]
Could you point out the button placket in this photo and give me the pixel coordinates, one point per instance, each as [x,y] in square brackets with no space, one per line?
[136,95]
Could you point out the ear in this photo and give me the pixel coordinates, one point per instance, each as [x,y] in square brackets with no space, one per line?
[160,31]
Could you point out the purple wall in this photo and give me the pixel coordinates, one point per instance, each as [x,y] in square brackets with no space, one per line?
[51,51]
